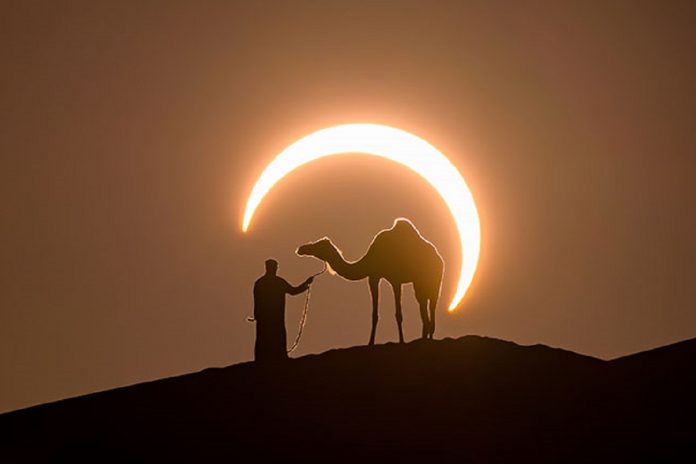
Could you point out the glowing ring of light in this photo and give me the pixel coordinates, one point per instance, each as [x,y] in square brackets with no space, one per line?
[396,145]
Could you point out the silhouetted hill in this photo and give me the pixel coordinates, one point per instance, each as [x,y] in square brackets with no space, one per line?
[473,399]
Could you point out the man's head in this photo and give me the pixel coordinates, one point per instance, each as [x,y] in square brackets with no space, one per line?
[271,266]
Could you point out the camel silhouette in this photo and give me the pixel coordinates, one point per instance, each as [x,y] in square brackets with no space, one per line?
[400,255]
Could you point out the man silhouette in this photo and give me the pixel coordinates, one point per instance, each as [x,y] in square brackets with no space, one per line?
[269,313]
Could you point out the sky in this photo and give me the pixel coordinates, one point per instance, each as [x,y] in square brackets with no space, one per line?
[131,134]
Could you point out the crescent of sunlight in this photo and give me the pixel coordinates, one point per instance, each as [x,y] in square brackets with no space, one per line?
[396,145]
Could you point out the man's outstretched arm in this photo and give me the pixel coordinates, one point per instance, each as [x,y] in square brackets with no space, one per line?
[300,288]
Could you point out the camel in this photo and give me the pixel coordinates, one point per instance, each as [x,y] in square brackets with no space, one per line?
[400,255]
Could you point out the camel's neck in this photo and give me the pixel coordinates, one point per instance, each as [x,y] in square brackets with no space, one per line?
[348,270]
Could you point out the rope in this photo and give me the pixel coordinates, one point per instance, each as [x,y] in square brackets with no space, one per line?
[303,319]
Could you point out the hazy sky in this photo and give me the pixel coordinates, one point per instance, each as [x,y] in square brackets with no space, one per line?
[131,134]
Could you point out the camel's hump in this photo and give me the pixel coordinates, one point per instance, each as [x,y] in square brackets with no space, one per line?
[403,235]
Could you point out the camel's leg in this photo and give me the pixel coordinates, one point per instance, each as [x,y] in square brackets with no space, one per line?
[433,307]
[397,305]
[374,293]
[423,304]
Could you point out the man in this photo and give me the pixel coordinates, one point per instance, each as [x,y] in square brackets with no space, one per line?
[269,313]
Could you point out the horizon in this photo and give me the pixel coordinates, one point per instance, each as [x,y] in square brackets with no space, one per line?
[474,398]
[343,352]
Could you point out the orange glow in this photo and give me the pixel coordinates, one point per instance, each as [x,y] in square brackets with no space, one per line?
[396,145]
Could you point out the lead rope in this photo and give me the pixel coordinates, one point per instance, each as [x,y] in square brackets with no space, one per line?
[303,319]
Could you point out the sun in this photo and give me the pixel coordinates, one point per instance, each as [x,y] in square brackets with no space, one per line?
[396,145]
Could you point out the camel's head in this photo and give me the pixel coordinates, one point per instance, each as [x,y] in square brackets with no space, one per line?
[321,249]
